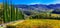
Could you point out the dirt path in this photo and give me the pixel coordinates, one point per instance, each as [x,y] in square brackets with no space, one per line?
[4,25]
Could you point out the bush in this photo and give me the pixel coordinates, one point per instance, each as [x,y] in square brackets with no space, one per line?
[44,16]
[10,26]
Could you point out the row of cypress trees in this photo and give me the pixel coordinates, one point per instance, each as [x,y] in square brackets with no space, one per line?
[10,13]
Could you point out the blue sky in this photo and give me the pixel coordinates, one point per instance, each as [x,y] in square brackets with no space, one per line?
[35,1]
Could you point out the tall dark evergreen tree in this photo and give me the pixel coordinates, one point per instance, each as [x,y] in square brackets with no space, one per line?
[5,9]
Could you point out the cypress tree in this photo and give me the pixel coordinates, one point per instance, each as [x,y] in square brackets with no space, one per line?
[5,14]
[12,13]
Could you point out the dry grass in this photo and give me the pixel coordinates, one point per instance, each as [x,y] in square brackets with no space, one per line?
[55,15]
[38,23]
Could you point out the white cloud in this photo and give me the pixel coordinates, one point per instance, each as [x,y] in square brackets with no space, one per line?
[55,2]
[34,3]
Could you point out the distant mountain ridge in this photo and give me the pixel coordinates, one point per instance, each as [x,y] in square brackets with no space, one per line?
[40,7]
[51,6]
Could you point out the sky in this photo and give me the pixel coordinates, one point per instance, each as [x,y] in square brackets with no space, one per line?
[29,2]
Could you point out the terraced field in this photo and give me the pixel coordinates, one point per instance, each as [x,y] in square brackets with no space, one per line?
[36,23]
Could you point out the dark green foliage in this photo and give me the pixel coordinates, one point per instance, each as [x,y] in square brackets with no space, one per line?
[1,12]
[44,16]
[19,14]
[8,26]
[5,14]
[10,13]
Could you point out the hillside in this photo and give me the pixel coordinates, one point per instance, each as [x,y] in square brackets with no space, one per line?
[40,7]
